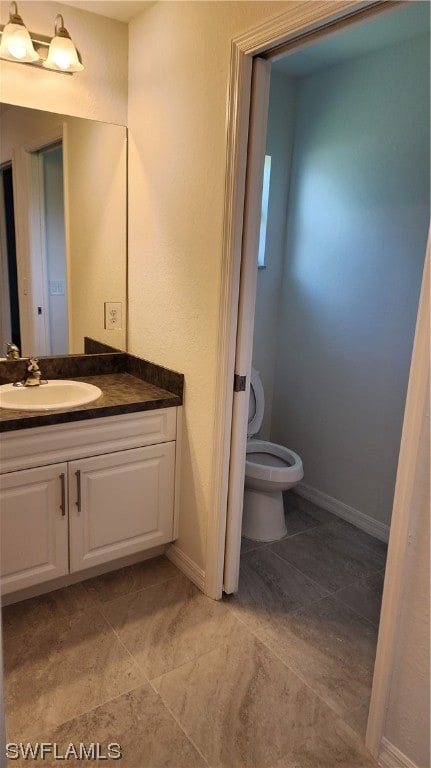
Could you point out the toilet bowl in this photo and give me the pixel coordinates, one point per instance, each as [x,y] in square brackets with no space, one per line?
[270,469]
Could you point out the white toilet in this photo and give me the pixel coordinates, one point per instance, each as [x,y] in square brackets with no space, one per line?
[270,469]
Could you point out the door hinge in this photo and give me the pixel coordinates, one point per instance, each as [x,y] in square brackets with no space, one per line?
[239,383]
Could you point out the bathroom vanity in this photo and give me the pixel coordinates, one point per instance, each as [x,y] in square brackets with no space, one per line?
[87,488]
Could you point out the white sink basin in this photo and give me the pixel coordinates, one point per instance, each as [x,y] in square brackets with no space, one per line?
[58,393]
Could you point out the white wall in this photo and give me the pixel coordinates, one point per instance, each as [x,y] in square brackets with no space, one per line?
[279,144]
[178,80]
[98,92]
[96,184]
[356,235]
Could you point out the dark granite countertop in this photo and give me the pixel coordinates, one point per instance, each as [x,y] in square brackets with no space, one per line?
[126,388]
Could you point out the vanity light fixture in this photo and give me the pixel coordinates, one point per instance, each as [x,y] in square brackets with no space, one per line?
[58,54]
[62,54]
[16,43]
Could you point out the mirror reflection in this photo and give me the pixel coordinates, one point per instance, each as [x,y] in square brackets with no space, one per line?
[62,232]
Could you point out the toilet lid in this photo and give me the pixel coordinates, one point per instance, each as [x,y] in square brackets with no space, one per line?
[257,404]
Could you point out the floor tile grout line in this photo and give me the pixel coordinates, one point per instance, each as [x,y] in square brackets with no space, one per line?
[271,651]
[295,568]
[133,592]
[341,523]
[123,645]
[265,544]
[299,533]
[349,584]
[300,677]
[98,604]
[260,637]
[178,722]
[119,696]
[98,607]
[183,663]
[253,549]
[118,638]
[127,690]
[302,607]
[97,706]
[355,610]
[305,606]
[146,681]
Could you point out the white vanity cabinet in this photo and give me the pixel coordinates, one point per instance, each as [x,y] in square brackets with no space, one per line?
[82,494]
[120,503]
[34,526]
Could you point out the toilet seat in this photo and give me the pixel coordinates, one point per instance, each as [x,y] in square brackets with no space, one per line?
[256,406]
[280,465]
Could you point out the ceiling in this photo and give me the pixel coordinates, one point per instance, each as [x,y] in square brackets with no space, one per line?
[383,30]
[121,10]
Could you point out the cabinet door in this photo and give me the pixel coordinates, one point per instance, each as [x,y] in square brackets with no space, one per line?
[120,503]
[34,526]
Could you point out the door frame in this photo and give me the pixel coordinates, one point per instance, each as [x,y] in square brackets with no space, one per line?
[29,255]
[5,320]
[293,29]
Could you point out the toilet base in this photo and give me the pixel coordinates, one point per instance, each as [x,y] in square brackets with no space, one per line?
[263,515]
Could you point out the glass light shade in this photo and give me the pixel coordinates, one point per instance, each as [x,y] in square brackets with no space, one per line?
[16,44]
[63,56]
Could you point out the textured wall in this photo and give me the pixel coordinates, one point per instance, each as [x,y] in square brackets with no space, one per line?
[96,183]
[98,92]
[179,73]
[356,236]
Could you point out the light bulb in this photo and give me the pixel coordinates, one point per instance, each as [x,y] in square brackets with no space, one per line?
[16,43]
[62,54]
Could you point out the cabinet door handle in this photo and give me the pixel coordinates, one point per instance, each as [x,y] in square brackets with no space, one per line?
[63,494]
[78,481]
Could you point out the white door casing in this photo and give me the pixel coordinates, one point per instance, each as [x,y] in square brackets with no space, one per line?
[5,319]
[31,281]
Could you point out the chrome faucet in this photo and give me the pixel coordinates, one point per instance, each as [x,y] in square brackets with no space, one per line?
[12,351]
[34,375]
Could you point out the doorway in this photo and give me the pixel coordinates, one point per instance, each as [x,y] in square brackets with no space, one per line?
[345,282]
[48,255]
[240,409]
[42,214]
[34,259]
[9,316]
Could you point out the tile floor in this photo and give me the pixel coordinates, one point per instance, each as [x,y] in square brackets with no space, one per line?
[277,676]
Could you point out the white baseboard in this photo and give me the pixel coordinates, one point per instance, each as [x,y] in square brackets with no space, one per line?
[186,565]
[391,757]
[352,515]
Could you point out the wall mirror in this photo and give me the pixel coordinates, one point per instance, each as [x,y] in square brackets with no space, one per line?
[63,240]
